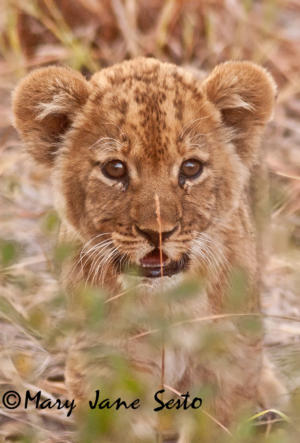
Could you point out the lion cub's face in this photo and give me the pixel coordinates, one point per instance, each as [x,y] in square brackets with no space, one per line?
[145,136]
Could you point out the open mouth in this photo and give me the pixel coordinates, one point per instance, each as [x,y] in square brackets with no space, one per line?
[155,265]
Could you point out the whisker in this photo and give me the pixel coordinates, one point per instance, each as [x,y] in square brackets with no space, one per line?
[106,143]
[206,250]
[101,249]
[105,265]
[86,256]
[94,238]
[190,125]
[105,249]
[80,255]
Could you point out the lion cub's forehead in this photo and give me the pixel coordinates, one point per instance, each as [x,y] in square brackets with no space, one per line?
[149,101]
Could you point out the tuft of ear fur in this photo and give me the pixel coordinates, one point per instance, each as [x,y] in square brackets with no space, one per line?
[244,94]
[45,104]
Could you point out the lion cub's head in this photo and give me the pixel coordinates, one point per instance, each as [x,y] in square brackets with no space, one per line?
[139,129]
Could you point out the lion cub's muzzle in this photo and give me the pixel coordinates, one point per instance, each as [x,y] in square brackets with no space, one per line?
[156,263]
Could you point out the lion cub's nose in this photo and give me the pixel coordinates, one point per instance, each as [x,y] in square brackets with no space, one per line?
[153,236]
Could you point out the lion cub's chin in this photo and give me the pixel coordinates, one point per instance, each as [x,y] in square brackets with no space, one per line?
[150,285]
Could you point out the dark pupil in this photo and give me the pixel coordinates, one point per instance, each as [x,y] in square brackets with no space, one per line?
[115,169]
[191,168]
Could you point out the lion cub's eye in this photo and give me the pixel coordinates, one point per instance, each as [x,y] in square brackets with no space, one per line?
[190,169]
[115,169]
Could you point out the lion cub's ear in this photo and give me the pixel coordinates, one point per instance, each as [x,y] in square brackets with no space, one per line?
[244,93]
[45,104]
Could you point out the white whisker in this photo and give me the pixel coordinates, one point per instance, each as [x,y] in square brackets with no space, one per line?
[107,144]
[86,254]
[102,250]
[81,254]
[206,250]
[190,125]
[104,264]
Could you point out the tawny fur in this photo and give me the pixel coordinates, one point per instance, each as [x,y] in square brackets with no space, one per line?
[153,116]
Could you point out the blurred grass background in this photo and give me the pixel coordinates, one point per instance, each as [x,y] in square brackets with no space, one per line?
[88,35]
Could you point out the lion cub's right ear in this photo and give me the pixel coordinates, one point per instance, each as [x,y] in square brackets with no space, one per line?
[45,104]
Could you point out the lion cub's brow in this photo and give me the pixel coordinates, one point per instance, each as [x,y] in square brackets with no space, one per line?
[187,137]
[196,145]
[108,145]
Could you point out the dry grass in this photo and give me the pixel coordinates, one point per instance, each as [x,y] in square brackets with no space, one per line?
[88,35]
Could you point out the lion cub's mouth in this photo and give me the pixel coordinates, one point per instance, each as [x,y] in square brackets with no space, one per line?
[153,265]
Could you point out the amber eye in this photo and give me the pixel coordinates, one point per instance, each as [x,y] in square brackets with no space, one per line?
[115,169]
[190,169]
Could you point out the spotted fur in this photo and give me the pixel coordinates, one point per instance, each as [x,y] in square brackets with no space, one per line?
[153,116]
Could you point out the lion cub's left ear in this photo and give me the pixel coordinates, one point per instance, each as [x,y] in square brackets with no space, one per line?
[45,104]
[244,93]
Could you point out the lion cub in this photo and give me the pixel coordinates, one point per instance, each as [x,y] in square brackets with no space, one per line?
[141,137]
